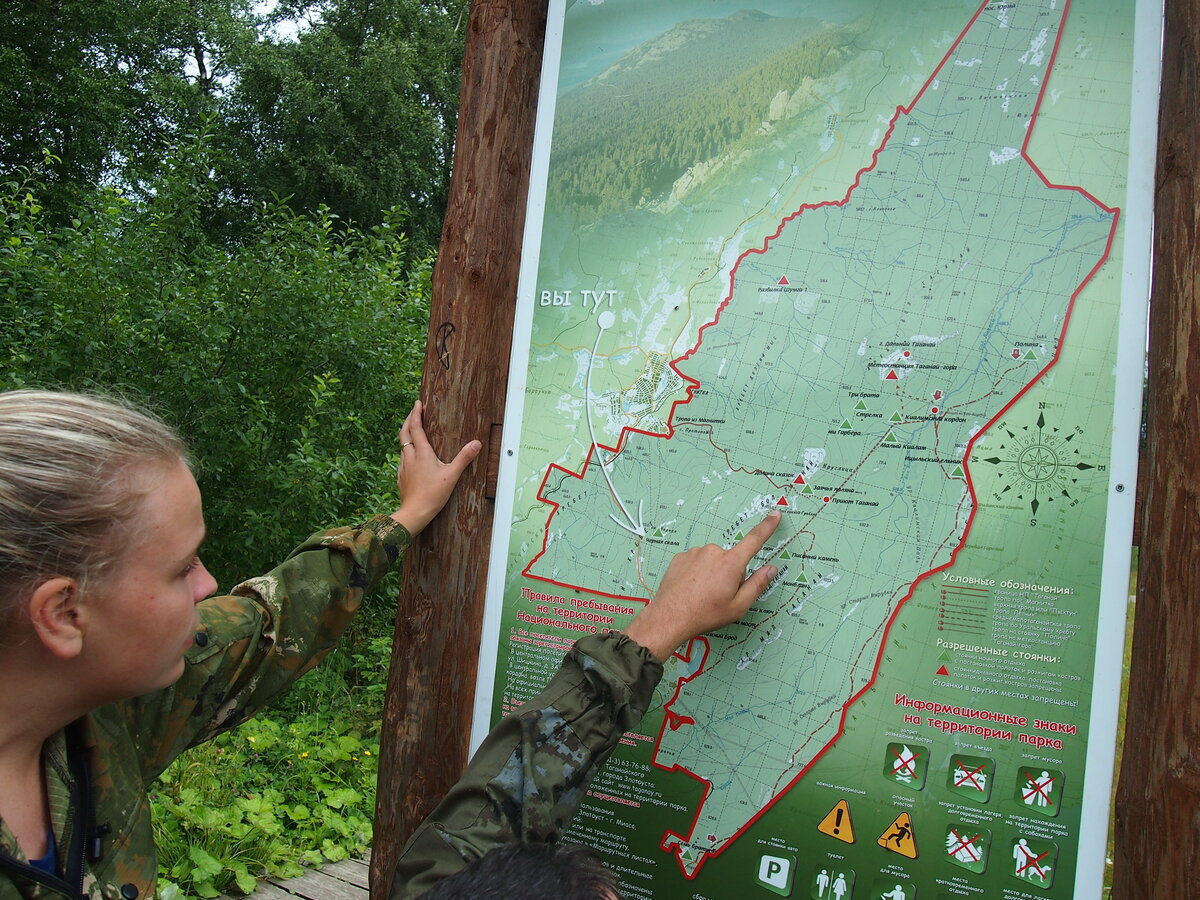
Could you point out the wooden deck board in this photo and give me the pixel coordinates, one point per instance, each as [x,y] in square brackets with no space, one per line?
[345,880]
[355,871]
[318,885]
[267,891]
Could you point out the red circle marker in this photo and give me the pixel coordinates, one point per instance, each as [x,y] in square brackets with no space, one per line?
[907,353]
[825,499]
[934,410]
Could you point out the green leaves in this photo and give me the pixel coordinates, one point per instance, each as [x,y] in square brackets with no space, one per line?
[287,363]
[266,798]
[106,84]
[357,115]
[206,867]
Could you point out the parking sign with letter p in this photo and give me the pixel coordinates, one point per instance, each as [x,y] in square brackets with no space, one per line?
[775,873]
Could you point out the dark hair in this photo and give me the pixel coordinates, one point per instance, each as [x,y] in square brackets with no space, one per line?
[531,872]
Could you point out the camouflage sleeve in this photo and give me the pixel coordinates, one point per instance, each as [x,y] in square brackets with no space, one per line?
[255,642]
[529,775]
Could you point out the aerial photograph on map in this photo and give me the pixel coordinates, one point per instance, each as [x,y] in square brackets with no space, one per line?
[859,263]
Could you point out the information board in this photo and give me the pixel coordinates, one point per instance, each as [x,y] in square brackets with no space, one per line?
[882,267]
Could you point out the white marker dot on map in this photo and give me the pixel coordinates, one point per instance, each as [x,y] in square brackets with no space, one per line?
[606,320]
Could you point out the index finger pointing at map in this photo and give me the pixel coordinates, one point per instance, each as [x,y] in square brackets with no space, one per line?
[757,537]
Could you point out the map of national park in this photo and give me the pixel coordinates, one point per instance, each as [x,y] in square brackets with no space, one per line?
[816,303]
[859,352]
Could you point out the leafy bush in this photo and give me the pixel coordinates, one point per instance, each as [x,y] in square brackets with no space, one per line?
[267,797]
[287,363]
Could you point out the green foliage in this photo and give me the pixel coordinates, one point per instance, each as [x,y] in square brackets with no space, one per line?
[266,798]
[107,85]
[287,363]
[357,114]
[704,88]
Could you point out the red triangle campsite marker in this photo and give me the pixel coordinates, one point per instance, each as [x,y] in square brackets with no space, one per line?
[943,671]
[783,280]
[782,501]
[799,480]
[892,376]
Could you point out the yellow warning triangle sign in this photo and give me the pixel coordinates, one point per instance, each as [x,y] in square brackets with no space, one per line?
[899,838]
[837,823]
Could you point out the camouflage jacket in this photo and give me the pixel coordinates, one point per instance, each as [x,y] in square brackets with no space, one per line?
[529,775]
[251,646]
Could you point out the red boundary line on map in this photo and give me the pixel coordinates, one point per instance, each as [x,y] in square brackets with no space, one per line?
[670,837]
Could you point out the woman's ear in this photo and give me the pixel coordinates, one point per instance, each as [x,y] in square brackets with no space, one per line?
[57,616]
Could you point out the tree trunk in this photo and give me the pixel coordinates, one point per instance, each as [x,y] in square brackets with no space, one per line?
[1158,800]
[431,687]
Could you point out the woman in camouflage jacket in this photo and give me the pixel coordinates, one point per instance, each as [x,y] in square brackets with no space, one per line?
[110,663]
[112,666]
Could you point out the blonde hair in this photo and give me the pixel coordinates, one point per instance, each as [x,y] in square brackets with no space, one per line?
[69,485]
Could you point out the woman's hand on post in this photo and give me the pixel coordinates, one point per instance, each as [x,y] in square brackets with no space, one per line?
[704,588]
[423,480]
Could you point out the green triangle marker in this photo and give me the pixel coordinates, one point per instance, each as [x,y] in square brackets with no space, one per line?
[846,426]
[1029,354]
[896,417]
[807,489]
[958,472]
[860,405]
[890,439]
[658,533]
[784,555]
[802,578]
[946,657]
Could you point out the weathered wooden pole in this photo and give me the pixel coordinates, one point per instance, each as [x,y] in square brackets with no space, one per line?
[427,717]
[1158,799]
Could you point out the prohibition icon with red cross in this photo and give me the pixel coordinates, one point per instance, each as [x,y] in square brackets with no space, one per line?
[971,777]
[906,764]
[1039,790]
[967,846]
[1030,867]
[1034,861]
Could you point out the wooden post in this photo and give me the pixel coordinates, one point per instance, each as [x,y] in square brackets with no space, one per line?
[1158,799]
[431,686]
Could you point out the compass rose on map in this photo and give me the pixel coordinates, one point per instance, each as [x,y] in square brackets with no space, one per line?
[1039,462]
